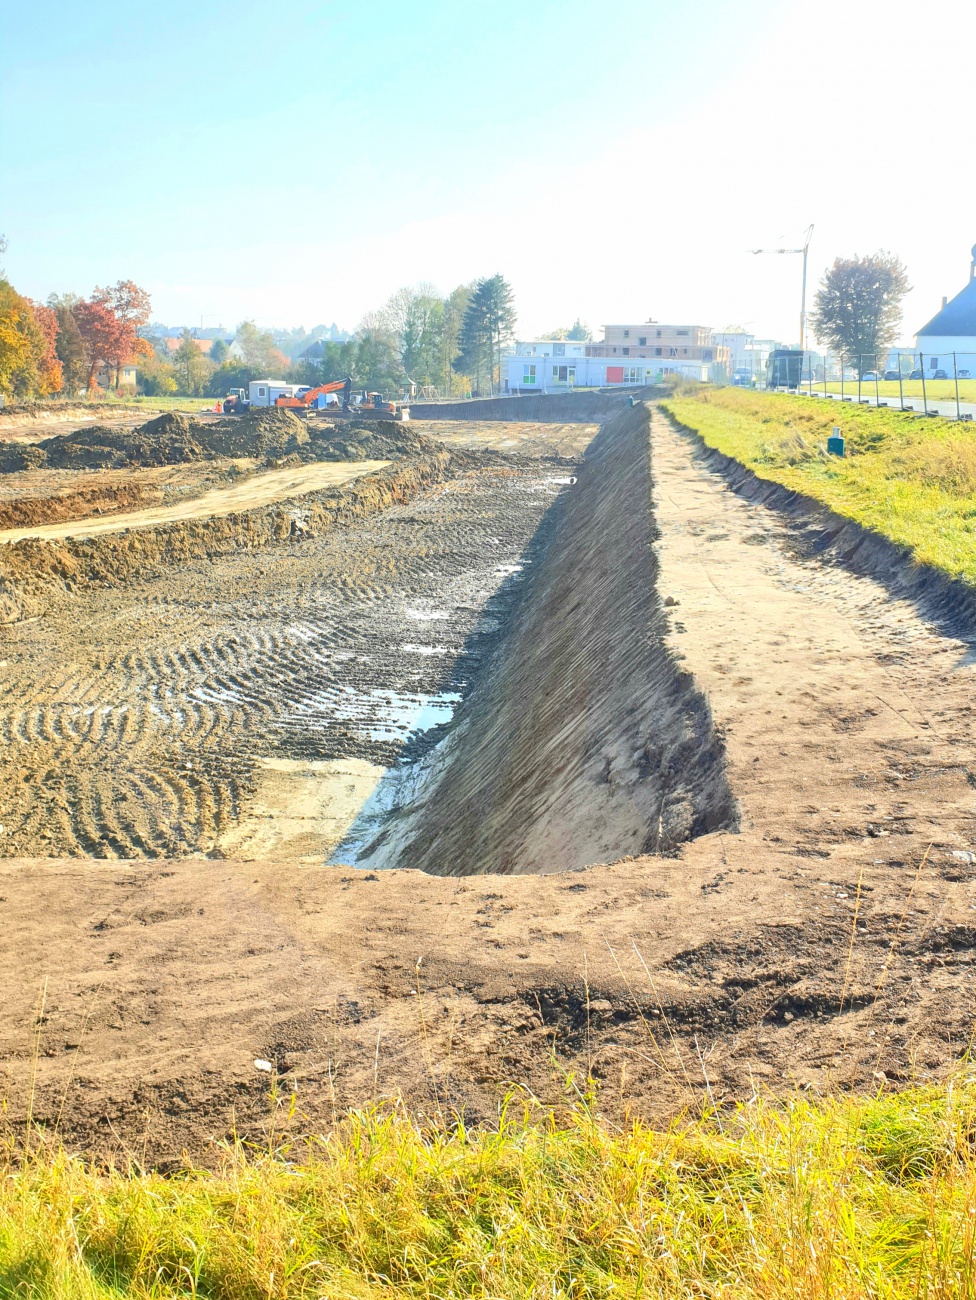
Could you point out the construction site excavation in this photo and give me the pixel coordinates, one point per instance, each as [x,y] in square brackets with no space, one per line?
[424,758]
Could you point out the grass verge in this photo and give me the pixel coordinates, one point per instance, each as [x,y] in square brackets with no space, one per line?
[859,1197]
[910,478]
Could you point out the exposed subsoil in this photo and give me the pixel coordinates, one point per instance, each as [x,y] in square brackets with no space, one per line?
[831,942]
[314,630]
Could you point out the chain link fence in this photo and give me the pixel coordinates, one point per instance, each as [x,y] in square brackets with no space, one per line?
[930,383]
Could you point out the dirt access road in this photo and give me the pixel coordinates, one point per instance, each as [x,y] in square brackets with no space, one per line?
[257,490]
[831,942]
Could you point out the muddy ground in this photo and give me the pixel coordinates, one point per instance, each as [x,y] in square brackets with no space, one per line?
[202,688]
[828,942]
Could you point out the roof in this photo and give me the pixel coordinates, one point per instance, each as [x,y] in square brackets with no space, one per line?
[957,319]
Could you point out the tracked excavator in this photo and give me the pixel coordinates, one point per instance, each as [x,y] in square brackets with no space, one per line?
[307,399]
[365,405]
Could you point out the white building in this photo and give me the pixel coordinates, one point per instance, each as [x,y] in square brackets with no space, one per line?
[265,392]
[555,365]
[949,338]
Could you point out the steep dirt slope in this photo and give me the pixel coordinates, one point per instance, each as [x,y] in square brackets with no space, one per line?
[583,741]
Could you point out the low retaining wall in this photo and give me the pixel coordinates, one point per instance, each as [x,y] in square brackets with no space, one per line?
[557,408]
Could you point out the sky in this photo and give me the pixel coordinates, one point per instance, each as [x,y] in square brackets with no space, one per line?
[297,162]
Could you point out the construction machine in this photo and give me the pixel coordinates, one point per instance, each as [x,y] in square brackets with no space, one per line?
[236,402]
[306,398]
[374,406]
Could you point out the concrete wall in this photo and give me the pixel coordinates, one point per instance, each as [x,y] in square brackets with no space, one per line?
[559,408]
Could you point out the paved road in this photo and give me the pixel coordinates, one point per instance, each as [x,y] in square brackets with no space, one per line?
[945,408]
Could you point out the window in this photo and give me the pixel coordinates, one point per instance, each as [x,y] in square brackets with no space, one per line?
[625,351]
[633,374]
[934,363]
[262,392]
[560,374]
[528,374]
[657,334]
[682,333]
[707,354]
[672,352]
[642,343]
[559,349]
[626,334]
[659,352]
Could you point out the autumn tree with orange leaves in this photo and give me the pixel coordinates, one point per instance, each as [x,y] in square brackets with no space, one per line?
[130,306]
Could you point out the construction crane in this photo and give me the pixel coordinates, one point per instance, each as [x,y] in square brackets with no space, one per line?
[803,297]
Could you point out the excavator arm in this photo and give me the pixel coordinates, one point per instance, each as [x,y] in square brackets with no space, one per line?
[307,398]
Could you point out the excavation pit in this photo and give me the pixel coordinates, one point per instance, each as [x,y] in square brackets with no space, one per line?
[452,661]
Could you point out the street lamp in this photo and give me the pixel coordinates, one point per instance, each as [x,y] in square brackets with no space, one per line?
[803,298]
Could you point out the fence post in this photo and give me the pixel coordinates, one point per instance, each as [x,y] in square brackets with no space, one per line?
[877,390]
[842,368]
[860,358]
[955,375]
[825,374]
[925,395]
[901,384]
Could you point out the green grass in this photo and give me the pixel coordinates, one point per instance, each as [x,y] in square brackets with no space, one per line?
[938,390]
[910,478]
[866,1197]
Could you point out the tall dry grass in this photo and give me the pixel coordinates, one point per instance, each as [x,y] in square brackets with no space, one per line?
[825,1200]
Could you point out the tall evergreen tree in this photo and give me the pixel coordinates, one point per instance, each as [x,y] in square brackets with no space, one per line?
[489,325]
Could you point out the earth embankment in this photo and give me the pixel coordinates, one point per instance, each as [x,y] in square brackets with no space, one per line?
[584,408]
[583,741]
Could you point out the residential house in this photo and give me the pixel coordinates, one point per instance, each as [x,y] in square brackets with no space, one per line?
[948,341]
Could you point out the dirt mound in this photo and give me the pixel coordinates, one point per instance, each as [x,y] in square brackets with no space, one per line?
[173,439]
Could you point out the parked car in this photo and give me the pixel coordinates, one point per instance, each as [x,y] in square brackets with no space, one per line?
[939,374]
[916,374]
[891,374]
[869,377]
[963,374]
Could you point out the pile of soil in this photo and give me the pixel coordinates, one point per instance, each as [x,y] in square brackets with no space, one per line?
[173,439]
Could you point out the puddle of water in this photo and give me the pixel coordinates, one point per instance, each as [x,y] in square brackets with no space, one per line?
[397,788]
[380,715]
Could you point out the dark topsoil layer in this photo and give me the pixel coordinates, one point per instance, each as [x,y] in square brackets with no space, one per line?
[173,439]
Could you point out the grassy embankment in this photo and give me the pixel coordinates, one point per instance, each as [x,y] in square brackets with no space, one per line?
[864,1197]
[910,478]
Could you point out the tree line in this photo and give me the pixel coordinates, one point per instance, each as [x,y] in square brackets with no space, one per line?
[418,340]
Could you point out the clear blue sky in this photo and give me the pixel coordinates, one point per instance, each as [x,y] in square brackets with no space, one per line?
[296,162]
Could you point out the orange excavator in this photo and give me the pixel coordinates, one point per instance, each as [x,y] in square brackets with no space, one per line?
[306,399]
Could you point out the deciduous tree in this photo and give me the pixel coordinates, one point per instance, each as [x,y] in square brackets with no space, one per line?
[258,347]
[98,330]
[190,367]
[857,308]
[130,306]
[68,343]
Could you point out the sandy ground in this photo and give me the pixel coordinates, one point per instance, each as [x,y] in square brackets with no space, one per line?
[527,438]
[830,943]
[257,490]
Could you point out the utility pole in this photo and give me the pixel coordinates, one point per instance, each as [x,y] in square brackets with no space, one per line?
[803,296]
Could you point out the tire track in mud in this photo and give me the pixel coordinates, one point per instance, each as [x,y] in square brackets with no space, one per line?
[141,738]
